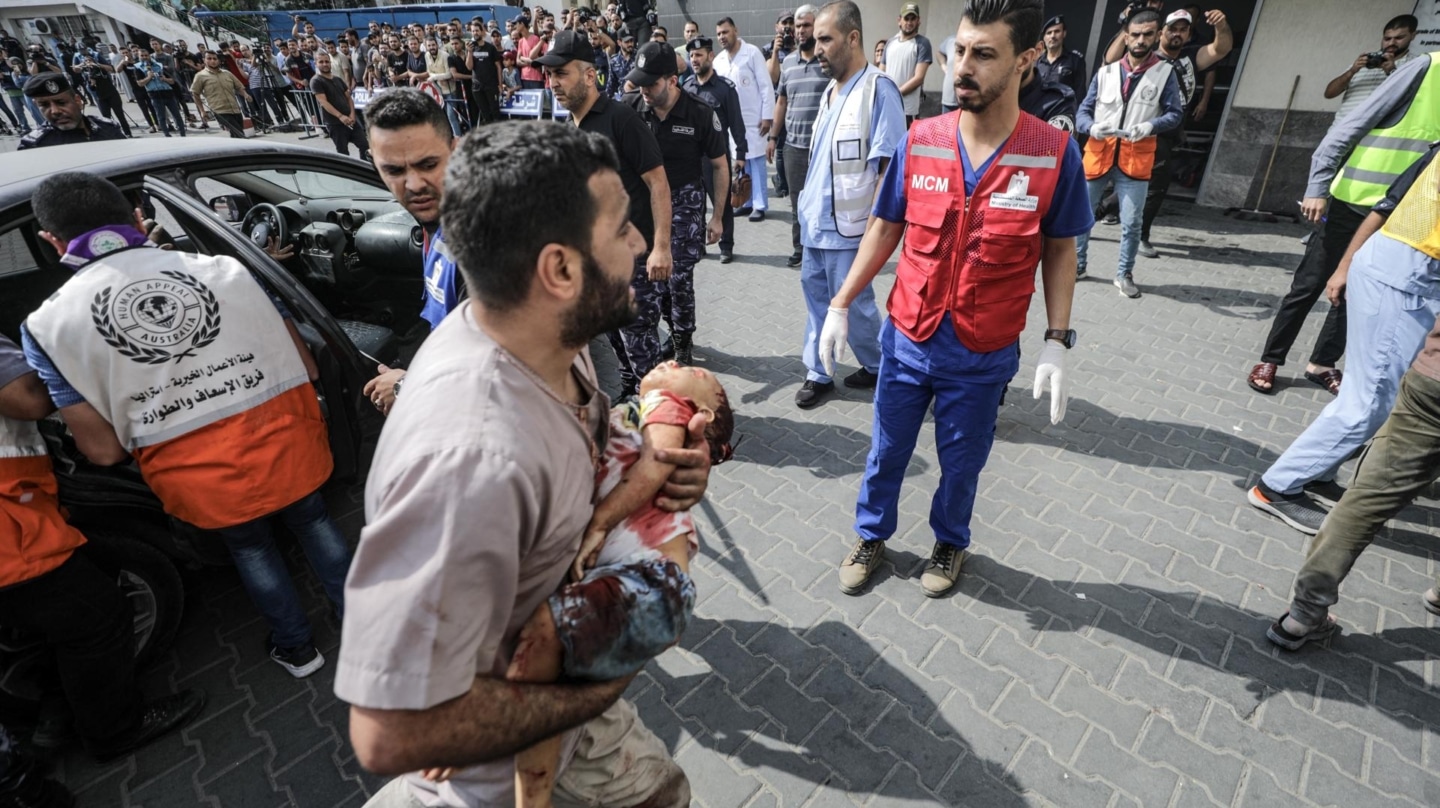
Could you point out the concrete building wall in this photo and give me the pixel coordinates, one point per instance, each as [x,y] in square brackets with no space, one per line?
[1315,40]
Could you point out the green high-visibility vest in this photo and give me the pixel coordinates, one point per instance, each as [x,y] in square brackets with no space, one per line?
[1384,154]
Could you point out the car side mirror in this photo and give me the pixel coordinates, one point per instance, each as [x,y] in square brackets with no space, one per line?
[231,207]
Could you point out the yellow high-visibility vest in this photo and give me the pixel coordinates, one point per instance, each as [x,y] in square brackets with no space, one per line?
[1384,154]
[1416,220]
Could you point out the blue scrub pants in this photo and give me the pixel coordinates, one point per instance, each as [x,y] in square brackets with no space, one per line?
[1131,193]
[965,388]
[759,193]
[821,274]
[1385,329]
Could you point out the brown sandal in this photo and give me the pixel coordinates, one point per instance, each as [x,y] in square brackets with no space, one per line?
[1330,380]
[1263,372]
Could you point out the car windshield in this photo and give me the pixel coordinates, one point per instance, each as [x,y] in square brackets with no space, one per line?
[316,184]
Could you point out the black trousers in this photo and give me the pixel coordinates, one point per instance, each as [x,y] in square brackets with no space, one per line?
[782,180]
[1159,180]
[342,136]
[142,100]
[107,98]
[82,616]
[797,165]
[727,213]
[486,105]
[233,123]
[1322,255]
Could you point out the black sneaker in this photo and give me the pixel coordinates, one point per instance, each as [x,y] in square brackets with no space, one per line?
[726,256]
[812,393]
[1296,510]
[796,259]
[861,379]
[300,661]
[160,717]
[757,216]
[1112,219]
[1326,492]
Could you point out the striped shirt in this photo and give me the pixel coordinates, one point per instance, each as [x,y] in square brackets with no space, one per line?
[802,84]
[1363,83]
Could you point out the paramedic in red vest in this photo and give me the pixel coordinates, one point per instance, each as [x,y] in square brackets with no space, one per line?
[59,595]
[184,364]
[980,196]
[1129,103]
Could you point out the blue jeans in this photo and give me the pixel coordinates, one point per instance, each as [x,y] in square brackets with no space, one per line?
[457,112]
[167,108]
[965,388]
[821,274]
[1385,329]
[262,569]
[1131,193]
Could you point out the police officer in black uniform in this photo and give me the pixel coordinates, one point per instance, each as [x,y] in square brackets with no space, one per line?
[1068,68]
[691,139]
[719,93]
[66,121]
[1051,102]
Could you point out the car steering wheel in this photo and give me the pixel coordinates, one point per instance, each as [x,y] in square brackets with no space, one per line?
[264,220]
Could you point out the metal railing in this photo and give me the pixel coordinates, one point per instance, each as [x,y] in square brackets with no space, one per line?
[237,26]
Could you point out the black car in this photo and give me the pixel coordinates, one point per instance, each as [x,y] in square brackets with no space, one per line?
[353,286]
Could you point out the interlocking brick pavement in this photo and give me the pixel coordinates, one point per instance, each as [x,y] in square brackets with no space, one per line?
[1104,647]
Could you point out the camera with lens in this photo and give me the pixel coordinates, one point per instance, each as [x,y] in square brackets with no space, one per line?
[1374,60]
[651,18]
[1132,8]
[787,42]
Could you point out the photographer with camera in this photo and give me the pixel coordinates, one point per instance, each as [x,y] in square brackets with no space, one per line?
[95,71]
[1370,69]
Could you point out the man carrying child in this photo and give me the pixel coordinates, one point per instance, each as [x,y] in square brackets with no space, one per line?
[474,518]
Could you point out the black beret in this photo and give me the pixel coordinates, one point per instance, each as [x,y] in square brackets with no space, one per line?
[46,84]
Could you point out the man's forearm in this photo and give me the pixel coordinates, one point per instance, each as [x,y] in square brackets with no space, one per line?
[778,130]
[1339,84]
[1369,226]
[493,720]
[659,206]
[721,185]
[915,81]
[1057,273]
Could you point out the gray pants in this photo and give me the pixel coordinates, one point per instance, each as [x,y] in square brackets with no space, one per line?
[797,165]
[1402,460]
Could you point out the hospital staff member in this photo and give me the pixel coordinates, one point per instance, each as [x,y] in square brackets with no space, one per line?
[980,196]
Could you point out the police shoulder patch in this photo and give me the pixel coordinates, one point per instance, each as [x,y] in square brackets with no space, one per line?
[1062,122]
[715,119]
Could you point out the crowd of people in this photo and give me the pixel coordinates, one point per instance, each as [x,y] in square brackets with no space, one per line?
[558,526]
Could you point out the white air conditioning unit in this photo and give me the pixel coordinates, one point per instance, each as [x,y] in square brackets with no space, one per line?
[41,26]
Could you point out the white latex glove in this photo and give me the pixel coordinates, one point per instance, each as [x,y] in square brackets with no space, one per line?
[1051,368]
[1140,131]
[833,336]
[1103,130]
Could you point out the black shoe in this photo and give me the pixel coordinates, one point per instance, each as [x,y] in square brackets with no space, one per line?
[726,256]
[812,393]
[743,211]
[55,726]
[159,718]
[667,348]
[299,661]
[757,216]
[795,259]
[684,349]
[1111,219]
[1296,510]
[861,379]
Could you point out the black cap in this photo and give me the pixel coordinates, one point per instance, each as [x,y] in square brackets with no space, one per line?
[627,34]
[786,15]
[46,84]
[700,43]
[1058,19]
[569,46]
[655,61]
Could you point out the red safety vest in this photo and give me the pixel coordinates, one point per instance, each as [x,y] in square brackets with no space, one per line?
[974,257]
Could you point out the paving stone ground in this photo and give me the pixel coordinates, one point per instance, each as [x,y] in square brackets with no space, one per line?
[1104,647]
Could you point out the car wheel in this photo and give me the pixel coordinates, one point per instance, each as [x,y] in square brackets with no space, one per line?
[151,584]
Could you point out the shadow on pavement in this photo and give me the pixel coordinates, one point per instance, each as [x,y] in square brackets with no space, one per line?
[1243,304]
[832,709]
[827,450]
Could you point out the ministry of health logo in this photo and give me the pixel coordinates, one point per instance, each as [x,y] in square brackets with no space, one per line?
[156,320]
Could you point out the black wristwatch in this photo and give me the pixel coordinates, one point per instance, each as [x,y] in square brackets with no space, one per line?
[1064,336]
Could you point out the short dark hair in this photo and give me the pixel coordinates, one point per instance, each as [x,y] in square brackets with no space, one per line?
[511,188]
[721,431]
[1406,21]
[846,15]
[1024,18]
[726,21]
[1142,17]
[400,107]
[77,202]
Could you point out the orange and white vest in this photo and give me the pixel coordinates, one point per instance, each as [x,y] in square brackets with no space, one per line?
[973,257]
[188,359]
[1136,160]
[34,536]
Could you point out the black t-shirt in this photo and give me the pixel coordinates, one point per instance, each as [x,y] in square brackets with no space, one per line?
[415,63]
[396,61]
[689,137]
[638,151]
[484,58]
[299,67]
[334,90]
